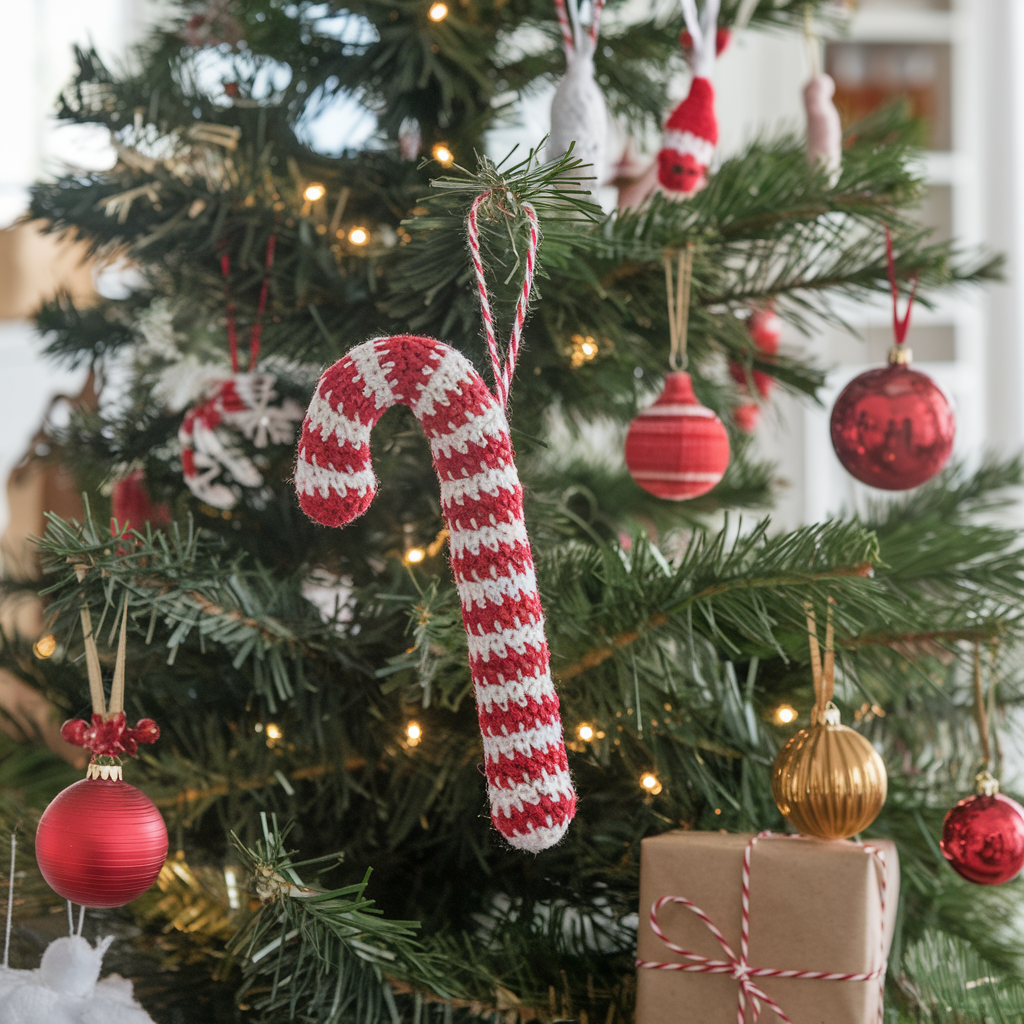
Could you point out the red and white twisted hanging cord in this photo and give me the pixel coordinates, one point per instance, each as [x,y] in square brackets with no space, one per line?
[564,22]
[503,371]
[739,967]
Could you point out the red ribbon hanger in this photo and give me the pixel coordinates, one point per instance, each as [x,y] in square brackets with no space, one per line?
[257,328]
[899,327]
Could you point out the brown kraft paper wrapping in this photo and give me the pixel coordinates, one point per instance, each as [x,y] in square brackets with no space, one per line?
[814,906]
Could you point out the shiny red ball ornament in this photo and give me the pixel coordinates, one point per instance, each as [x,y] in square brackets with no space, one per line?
[893,427]
[101,842]
[677,448]
[983,838]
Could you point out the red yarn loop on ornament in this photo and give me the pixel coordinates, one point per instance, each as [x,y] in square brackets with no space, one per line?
[110,737]
[899,327]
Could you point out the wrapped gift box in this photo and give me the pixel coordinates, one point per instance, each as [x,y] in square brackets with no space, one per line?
[815,906]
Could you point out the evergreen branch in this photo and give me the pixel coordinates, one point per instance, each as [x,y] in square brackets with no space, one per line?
[594,658]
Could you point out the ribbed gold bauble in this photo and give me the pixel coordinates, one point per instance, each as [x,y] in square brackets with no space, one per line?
[828,780]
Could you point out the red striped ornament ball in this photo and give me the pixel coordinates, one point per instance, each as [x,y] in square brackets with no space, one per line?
[677,448]
[101,843]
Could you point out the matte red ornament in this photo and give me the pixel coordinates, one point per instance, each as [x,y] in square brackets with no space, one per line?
[101,842]
[132,506]
[746,417]
[677,448]
[983,838]
[893,427]
[765,330]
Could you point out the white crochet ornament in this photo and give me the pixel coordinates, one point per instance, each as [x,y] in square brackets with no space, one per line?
[578,111]
[66,989]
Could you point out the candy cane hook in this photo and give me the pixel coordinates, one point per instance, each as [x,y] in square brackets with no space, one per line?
[531,794]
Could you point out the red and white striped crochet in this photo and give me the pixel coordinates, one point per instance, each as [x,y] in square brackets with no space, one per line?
[531,793]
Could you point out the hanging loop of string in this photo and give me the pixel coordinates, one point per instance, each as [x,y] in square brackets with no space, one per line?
[813,44]
[678,303]
[257,327]
[92,662]
[824,674]
[503,372]
[899,327]
[570,26]
[980,711]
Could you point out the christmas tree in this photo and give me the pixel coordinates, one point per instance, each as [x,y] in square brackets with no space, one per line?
[320,768]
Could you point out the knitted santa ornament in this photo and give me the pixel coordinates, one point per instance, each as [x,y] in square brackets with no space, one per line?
[691,132]
[579,117]
[531,794]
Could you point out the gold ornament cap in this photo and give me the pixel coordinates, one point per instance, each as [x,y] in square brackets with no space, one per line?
[106,772]
[900,355]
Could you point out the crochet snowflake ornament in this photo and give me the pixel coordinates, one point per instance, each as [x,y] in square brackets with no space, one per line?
[66,989]
[211,459]
[531,793]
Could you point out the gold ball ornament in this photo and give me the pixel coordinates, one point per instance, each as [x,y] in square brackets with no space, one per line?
[828,781]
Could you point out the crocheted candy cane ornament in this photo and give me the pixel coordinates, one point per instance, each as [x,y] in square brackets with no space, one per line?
[578,111]
[531,794]
[691,132]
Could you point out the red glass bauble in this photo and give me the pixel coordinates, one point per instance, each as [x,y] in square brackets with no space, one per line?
[101,843]
[677,448]
[893,428]
[983,839]
[746,417]
[132,506]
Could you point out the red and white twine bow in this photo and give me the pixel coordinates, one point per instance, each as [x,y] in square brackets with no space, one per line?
[568,36]
[739,967]
[503,371]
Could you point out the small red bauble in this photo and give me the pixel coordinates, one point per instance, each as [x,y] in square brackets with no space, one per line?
[765,330]
[983,839]
[101,843]
[893,428]
[746,417]
[677,448]
[765,327]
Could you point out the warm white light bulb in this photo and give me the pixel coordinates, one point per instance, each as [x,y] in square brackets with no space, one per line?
[438,12]
[414,555]
[413,731]
[785,713]
[273,731]
[443,155]
[359,236]
[585,732]
[649,782]
[314,191]
[44,647]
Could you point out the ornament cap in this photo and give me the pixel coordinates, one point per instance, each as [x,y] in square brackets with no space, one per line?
[830,716]
[988,784]
[105,772]
[901,355]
